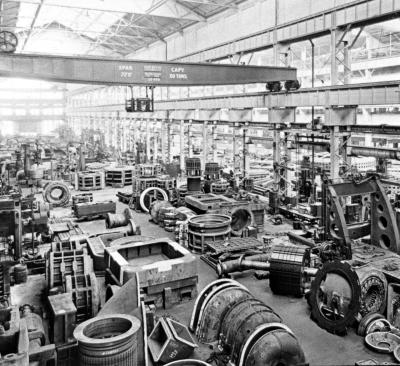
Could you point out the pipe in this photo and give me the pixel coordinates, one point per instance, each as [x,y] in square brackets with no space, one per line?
[313,143]
[297,239]
[258,261]
[376,152]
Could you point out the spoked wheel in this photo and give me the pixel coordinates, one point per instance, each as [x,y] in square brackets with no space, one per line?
[8,42]
[335,297]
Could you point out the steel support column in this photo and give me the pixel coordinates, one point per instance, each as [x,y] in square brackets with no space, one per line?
[189,139]
[205,145]
[246,158]
[335,154]
[147,142]
[132,134]
[334,63]
[155,142]
[276,159]
[182,145]
[169,142]
[163,139]
[214,143]
[346,63]
[234,150]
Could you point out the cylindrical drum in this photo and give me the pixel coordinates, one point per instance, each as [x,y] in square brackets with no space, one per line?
[286,270]
[20,273]
[207,228]
[118,220]
[108,340]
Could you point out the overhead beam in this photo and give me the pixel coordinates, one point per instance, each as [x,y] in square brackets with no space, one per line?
[38,9]
[379,93]
[104,71]
[158,8]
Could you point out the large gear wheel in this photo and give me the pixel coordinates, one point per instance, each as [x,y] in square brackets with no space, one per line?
[335,297]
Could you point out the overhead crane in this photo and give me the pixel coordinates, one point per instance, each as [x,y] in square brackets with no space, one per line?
[108,71]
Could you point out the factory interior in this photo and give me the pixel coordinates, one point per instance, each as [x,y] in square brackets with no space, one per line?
[199,182]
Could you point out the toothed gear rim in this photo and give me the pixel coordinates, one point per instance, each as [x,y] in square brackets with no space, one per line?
[336,326]
[108,340]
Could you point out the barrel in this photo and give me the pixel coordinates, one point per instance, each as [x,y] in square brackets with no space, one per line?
[108,340]
[207,228]
[20,273]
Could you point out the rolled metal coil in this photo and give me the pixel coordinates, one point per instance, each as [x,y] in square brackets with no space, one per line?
[57,200]
[108,340]
[117,220]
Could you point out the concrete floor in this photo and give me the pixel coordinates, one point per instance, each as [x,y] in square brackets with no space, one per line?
[320,347]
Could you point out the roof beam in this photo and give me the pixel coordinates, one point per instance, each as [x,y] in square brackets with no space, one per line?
[28,36]
[159,8]
[210,2]
[200,17]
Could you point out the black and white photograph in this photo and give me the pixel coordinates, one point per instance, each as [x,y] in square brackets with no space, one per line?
[199,182]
